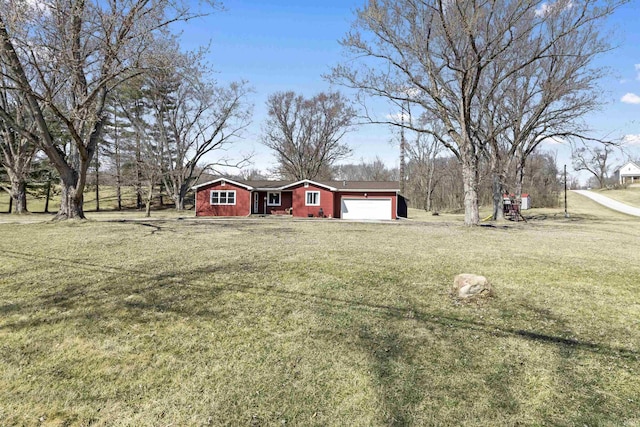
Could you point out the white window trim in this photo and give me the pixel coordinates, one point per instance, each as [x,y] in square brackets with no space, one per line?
[306,198]
[227,194]
[279,198]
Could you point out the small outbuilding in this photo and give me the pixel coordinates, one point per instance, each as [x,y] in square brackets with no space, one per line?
[304,198]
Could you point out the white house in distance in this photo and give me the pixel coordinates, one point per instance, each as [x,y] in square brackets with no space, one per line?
[628,173]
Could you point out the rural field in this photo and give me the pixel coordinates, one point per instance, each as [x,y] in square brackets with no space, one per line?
[260,322]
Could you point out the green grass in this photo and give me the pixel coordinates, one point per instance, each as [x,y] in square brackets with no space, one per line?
[630,195]
[292,322]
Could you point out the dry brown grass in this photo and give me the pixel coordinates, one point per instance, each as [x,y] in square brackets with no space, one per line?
[272,322]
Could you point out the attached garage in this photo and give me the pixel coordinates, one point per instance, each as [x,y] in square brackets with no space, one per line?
[366,200]
[370,208]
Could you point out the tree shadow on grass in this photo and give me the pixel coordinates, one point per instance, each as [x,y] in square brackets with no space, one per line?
[440,319]
[395,374]
[136,290]
[392,354]
[174,279]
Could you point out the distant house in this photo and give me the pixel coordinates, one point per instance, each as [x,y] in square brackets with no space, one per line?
[305,198]
[628,173]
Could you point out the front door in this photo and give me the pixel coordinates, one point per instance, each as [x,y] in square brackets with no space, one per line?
[256,202]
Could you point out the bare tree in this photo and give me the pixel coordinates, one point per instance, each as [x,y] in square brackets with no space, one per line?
[151,167]
[543,179]
[545,100]
[434,185]
[65,57]
[195,121]
[375,170]
[594,158]
[455,55]
[16,150]
[306,134]
[252,174]
[422,153]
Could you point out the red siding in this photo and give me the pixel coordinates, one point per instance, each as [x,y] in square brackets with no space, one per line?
[295,198]
[370,195]
[300,199]
[285,202]
[204,207]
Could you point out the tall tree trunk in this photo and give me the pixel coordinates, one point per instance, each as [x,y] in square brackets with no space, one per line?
[430,172]
[116,147]
[182,194]
[19,196]
[470,184]
[178,200]
[97,181]
[520,164]
[118,193]
[72,193]
[138,173]
[46,202]
[498,190]
[18,192]
[118,176]
[71,202]
[147,211]
[18,173]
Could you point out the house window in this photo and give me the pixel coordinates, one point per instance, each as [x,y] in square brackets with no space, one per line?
[313,198]
[223,197]
[273,199]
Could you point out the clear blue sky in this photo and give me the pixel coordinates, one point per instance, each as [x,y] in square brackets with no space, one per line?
[280,45]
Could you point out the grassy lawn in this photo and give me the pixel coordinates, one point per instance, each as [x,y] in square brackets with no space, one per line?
[108,200]
[630,196]
[285,322]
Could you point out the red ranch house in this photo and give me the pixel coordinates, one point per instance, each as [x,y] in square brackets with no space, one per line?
[306,198]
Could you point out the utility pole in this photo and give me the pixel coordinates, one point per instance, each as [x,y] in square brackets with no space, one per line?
[566,214]
[402,160]
[403,145]
[97,179]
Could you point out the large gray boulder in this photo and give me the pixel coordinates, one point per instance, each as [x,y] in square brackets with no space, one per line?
[471,285]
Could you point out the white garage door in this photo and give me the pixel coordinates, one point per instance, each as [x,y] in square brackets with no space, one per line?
[366,209]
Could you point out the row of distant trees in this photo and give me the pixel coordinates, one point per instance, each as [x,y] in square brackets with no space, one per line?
[85,80]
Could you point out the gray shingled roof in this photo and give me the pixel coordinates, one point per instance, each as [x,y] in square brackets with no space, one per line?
[340,185]
[362,185]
